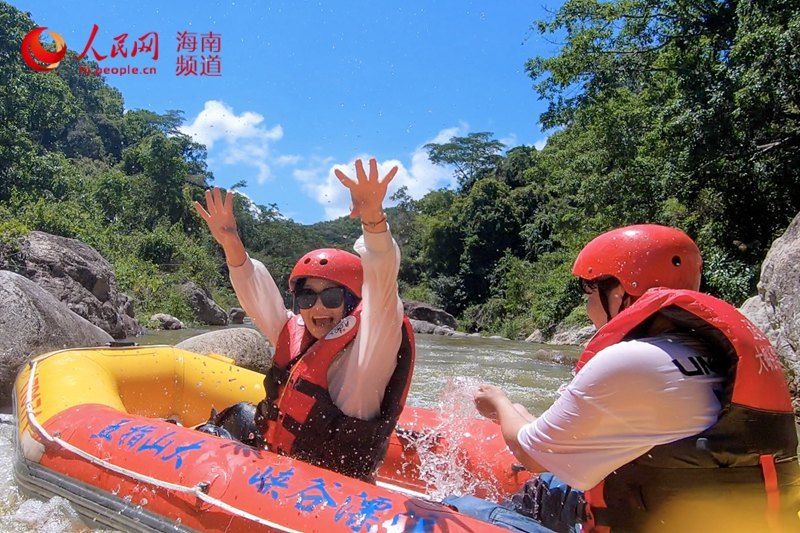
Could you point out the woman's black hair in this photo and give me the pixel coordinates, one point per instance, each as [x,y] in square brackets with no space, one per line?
[351,301]
[604,285]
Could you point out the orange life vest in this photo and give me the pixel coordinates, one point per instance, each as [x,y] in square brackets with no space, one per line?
[754,440]
[298,416]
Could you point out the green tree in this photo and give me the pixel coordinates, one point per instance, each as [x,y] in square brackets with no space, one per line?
[666,115]
[471,156]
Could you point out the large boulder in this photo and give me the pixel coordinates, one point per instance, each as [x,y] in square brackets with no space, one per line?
[248,347]
[206,310]
[572,335]
[76,274]
[443,330]
[776,308]
[32,322]
[420,326]
[429,313]
[165,321]
[236,315]
[537,336]
[755,309]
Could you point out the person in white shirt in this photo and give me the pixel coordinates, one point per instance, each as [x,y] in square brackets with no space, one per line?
[343,363]
[674,381]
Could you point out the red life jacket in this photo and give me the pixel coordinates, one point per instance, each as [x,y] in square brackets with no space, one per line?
[298,416]
[753,442]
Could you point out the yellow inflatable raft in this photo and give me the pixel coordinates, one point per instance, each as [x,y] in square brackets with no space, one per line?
[92,427]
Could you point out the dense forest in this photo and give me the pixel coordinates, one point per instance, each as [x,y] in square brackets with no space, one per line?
[682,112]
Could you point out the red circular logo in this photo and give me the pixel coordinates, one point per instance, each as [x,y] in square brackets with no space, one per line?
[37,56]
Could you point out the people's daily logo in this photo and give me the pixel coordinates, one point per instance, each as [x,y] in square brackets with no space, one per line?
[198,53]
[37,56]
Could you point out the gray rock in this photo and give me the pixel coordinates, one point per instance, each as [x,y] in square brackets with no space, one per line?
[573,335]
[206,310]
[459,334]
[475,334]
[536,337]
[776,309]
[77,275]
[443,330]
[429,313]
[420,326]
[165,321]
[248,347]
[498,338]
[755,310]
[236,315]
[556,356]
[32,322]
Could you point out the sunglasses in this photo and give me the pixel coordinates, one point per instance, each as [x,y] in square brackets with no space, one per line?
[332,297]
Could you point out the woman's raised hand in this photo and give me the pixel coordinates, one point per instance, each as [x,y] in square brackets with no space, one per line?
[222,223]
[367,191]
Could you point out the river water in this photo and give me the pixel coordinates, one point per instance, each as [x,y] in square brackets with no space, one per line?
[447,370]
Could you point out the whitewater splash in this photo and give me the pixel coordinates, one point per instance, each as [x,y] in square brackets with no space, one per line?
[443,462]
[18,513]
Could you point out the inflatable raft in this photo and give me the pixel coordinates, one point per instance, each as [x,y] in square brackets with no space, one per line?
[93,426]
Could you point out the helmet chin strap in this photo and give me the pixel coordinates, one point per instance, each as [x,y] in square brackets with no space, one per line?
[604,302]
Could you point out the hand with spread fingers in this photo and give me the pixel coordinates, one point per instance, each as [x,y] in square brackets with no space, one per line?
[367,194]
[218,214]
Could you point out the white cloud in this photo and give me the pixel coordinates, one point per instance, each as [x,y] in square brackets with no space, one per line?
[541,143]
[319,182]
[249,154]
[245,139]
[218,121]
[510,141]
[420,177]
[284,160]
[245,136]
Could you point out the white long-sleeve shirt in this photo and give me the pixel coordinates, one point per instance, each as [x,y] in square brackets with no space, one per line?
[627,399]
[357,379]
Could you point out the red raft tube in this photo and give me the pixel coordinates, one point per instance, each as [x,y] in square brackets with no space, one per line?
[91,427]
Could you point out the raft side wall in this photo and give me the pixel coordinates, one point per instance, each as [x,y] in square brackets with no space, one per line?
[212,381]
[152,381]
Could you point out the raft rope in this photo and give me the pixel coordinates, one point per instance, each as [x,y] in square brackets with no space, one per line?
[198,490]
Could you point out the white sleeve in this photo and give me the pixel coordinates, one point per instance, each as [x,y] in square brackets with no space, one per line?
[627,399]
[357,380]
[260,297]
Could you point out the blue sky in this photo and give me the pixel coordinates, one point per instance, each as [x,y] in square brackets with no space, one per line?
[306,87]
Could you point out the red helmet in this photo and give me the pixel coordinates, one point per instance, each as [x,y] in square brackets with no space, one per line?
[642,257]
[335,265]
